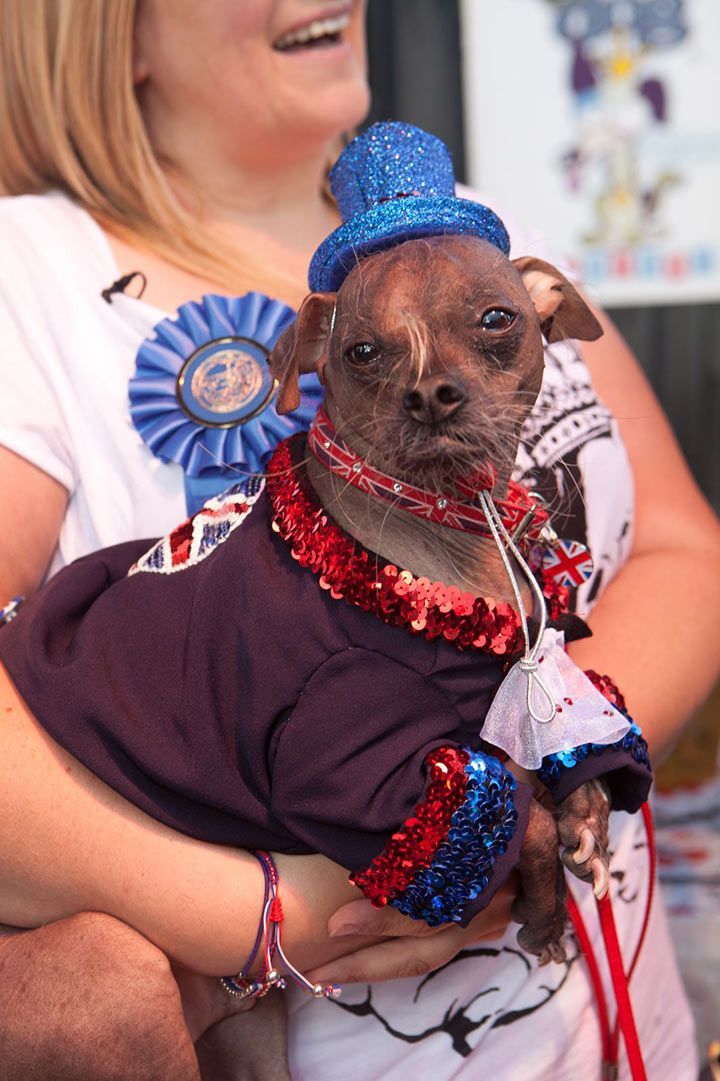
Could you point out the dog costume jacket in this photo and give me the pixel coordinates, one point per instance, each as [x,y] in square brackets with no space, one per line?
[258,679]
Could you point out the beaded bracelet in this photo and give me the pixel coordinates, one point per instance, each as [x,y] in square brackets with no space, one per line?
[10,610]
[270,935]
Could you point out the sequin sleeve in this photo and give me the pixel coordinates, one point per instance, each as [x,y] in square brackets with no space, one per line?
[369,771]
[624,765]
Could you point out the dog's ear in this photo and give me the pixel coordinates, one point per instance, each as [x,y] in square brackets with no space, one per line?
[561,310]
[300,348]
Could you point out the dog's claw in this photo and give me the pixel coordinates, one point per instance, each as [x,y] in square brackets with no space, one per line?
[554,951]
[586,847]
[601,878]
[600,787]
[557,952]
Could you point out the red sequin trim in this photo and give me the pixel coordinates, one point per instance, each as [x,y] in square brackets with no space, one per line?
[557,598]
[348,570]
[608,688]
[414,845]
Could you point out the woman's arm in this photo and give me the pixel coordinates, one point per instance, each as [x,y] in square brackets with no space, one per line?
[35,505]
[70,844]
[657,626]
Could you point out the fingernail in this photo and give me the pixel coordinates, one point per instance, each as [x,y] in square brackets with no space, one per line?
[345,929]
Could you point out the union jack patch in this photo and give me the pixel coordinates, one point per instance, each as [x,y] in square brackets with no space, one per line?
[568,563]
[188,544]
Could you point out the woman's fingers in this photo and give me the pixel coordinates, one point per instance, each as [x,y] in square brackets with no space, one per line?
[396,959]
[412,948]
[405,957]
[362,918]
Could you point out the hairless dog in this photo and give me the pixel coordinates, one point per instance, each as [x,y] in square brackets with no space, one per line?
[431,355]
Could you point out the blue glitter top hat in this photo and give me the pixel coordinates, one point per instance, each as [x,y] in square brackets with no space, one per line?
[394,183]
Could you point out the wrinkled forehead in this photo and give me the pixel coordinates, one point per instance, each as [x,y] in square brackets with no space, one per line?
[440,275]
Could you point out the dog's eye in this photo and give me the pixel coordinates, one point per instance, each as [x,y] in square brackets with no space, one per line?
[497,319]
[362,353]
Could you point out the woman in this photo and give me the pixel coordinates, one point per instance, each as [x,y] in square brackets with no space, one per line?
[179,196]
[91,203]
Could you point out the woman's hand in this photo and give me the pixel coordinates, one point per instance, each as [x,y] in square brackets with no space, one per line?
[409,947]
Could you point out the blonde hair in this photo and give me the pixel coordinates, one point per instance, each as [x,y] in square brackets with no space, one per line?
[69,119]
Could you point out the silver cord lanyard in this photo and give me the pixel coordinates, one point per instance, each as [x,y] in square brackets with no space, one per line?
[528,663]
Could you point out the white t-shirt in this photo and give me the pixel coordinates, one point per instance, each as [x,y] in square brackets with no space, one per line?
[66,360]
[67,356]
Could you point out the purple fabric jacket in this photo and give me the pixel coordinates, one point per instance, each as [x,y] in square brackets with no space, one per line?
[237,702]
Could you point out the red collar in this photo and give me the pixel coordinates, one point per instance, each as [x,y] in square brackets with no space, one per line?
[518,511]
[364,579]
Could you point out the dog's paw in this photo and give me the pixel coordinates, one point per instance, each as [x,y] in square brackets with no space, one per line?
[545,940]
[544,921]
[582,821]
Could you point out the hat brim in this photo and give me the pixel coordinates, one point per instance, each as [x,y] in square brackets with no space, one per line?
[393,222]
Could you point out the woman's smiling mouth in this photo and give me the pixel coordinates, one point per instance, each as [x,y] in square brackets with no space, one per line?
[317,34]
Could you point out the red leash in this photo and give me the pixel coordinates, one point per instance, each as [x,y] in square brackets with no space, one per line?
[625,1021]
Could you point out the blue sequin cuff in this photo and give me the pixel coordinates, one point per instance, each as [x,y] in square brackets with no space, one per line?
[595,760]
[633,743]
[453,851]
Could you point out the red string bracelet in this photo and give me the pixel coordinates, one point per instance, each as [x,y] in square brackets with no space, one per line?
[270,936]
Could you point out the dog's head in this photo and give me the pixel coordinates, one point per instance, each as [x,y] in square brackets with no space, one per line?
[431,354]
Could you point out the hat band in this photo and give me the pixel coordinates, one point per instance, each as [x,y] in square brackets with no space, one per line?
[399,195]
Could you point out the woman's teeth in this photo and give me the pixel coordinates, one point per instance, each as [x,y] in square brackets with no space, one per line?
[313,32]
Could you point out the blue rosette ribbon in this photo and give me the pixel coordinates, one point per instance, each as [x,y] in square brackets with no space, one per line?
[202,393]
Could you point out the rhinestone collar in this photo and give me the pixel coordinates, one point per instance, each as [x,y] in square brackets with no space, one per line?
[521,515]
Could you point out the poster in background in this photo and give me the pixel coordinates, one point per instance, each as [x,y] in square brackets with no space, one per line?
[598,122]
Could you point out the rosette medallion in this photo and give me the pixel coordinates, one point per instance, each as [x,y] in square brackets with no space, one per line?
[202,393]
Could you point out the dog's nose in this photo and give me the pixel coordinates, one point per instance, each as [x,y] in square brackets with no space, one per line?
[436,399]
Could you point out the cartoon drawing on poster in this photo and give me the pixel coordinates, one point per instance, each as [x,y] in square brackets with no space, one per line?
[619,100]
[625,150]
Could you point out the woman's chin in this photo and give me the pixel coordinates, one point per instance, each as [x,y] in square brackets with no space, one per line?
[327,85]
[332,112]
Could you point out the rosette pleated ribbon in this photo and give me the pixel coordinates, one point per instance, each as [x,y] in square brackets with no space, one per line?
[202,393]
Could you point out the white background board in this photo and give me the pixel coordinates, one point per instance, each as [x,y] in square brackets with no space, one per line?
[598,122]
